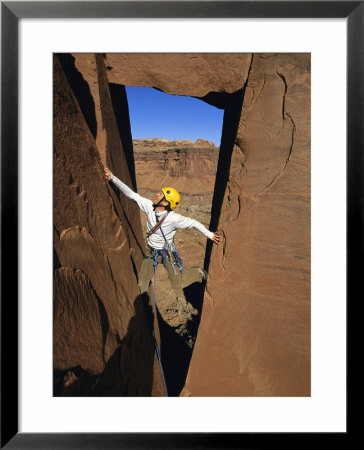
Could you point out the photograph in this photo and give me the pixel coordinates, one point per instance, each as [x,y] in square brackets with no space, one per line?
[181,222]
[181,219]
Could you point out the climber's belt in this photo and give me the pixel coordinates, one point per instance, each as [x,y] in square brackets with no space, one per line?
[152,251]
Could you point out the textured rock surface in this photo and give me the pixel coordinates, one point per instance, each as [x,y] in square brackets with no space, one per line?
[254,334]
[189,166]
[256,317]
[194,74]
[102,339]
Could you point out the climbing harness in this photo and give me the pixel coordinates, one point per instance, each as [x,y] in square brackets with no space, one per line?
[155,263]
[157,225]
[169,250]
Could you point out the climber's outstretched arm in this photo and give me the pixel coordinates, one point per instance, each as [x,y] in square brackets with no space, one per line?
[187,222]
[143,203]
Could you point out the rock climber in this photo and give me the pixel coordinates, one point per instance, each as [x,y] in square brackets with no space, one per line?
[162,223]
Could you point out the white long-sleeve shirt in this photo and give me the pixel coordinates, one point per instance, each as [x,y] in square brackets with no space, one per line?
[170,224]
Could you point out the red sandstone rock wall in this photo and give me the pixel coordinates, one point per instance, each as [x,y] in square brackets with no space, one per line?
[254,335]
[255,328]
[102,340]
[180,74]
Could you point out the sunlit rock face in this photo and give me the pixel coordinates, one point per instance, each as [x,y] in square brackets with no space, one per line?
[254,333]
[262,273]
[102,339]
[195,75]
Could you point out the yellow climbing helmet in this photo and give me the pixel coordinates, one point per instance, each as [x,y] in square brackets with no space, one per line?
[172,196]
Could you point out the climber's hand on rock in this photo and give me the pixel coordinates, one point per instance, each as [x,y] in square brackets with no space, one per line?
[108,173]
[217,238]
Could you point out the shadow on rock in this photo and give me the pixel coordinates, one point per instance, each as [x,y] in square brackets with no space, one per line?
[128,372]
[81,90]
[194,294]
[177,342]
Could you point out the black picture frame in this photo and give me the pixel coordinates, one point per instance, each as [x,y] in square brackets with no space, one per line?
[11,12]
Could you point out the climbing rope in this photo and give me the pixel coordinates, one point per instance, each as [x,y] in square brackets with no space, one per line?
[155,263]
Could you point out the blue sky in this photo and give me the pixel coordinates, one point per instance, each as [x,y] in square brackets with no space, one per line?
[154,114]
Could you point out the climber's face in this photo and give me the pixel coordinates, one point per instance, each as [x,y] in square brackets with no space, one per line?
[158,196]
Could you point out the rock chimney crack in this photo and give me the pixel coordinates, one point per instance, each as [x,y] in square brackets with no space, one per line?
[282,77]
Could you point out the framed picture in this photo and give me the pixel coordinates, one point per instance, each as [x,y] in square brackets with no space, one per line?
[213,27]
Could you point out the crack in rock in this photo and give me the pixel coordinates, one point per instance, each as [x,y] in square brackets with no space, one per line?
[223,261]
[255,100]
[211,297]
[285,114]
[282,77]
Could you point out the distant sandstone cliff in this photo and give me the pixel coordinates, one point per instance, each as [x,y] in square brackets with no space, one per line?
[190,167]
[254,333]
[158,162]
